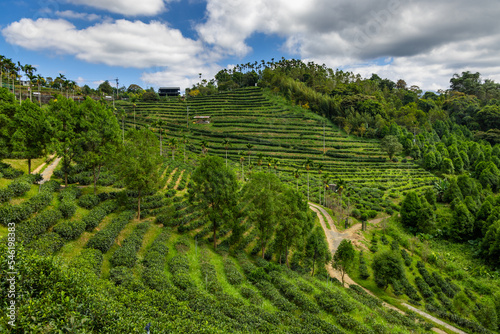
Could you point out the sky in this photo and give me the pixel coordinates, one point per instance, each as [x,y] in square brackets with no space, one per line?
[156,43]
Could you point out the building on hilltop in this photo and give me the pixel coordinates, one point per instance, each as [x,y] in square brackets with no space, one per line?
[169,91]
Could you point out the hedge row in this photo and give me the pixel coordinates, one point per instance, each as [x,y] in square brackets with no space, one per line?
[292,293]
[88,259]
[233,275]
[37,225]
[97,214]
[16,213]
[179,267]
[47,244]
[154,261]
[104,239]
[126,255]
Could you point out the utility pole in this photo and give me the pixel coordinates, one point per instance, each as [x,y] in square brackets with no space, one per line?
[116,92]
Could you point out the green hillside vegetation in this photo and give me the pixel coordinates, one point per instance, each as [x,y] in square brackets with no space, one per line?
[205,228]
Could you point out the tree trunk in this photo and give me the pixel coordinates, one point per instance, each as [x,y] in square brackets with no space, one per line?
[263,249]
[314,261]
[139,206]
[29,165]
[286,257]
[215,237]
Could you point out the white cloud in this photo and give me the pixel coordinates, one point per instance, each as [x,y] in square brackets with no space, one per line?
[120,43]
[69,14]
[428,40]
[125,7]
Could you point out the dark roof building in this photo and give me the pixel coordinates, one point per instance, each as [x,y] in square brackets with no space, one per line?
[169,91]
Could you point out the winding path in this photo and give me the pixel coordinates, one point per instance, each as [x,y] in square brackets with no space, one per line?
[47,173]
[334,237]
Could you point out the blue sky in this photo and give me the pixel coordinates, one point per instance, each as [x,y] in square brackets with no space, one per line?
[168,42]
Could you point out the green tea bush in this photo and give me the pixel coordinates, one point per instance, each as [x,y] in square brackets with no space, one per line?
[16,213]
[233,275]
[292,293]
[67,208]
[126,255]
[37,225]
[70,230]
[89,259]
[104,239]
[154,262]
[47,244]
[88,201]
[424,288]
[19,187]
[97,214]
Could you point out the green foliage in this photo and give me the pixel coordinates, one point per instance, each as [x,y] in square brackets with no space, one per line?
[317,251]
[104,239]
[391,145]
[344,257]
[416,213]
[462,224]
[387,268]
[126,255]
[70,230]
[97,214]
[88,201]
[137,163]
[213,189]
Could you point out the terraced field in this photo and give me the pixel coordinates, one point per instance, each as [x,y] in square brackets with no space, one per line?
[265,135]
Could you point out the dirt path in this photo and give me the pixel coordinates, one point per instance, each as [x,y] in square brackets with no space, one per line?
[47,173]
[39,168]
[334,238]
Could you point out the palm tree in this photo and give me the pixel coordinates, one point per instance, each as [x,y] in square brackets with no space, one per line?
[226,143]
[185,141]
[121,113]
[260,156]
[308,164]
[249,147]
[133,100]
[40,81]
[296,174]
[319,166]
[29,70]
[242,158]
[275,165]
[173,145]
[2,65]
[159,124]
[340,188]
[326,180]
[204,146]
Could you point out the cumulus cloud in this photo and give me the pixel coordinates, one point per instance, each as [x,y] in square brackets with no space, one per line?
[69,14]
[120,43]
[442,37]
[125,7]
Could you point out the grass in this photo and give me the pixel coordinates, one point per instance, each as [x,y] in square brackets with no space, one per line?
[22,164]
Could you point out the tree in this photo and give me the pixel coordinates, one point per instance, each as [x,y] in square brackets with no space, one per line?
[249,152]
[121,113]
[387,268]
[343,258]
[204,147]
[227,144]
[317,249]
[261,194]
[105,88]
[462,224]
[33,132]
[159,123]
[213,189]
[307,165]
[100,136]
[391,145]
[138,165]
[416,213]
[68,136]
[296,174]
[242,159]
[294,217]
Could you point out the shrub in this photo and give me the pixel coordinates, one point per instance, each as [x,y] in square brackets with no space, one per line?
[233,275]
[97,214]
[104,239]
[37,225]
[424,288]
[67,208]
[47,244]
[16,213]
[406,257]
[126,255]
[19,186]
[88,201]
[89,259]
[70,230]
